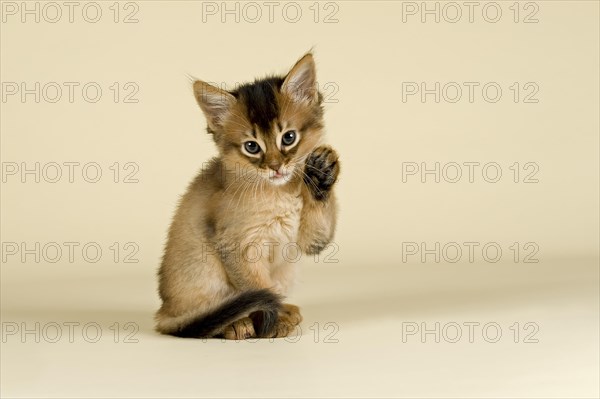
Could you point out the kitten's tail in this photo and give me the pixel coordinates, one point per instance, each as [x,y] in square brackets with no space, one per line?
[262,305]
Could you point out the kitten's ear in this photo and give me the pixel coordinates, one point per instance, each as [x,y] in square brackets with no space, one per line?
[214,102]
[301,82]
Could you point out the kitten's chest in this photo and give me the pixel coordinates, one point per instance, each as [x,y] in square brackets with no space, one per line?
[276,219]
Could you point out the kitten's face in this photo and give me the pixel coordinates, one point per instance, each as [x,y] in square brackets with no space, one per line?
[266,129]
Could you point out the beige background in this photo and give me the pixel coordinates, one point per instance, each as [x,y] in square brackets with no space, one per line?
[363,60]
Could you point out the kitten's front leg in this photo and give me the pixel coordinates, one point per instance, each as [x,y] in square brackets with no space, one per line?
[254,275]
[244,270]
[319,212]
[246,275]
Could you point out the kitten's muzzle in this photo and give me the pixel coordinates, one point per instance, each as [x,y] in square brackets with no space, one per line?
[276,166]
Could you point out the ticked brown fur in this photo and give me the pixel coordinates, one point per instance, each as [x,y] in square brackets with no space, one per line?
[243,212]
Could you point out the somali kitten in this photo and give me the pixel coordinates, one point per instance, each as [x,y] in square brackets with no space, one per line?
[224,272]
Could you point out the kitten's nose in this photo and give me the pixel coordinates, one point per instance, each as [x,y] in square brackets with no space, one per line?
[275,166]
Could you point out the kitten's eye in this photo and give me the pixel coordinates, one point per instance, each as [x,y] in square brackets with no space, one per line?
[288,138]
[252,147]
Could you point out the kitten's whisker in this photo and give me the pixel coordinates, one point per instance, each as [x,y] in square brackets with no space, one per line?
[236,178]
[264,199]
[256,189]
[247,186]
[309,180]
[241,186]
[313,184]
[325,173]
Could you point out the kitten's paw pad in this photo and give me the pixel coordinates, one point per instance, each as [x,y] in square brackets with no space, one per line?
[240,329]
[321,171]
[292,313]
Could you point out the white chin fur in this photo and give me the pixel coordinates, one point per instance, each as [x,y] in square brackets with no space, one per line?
[279,181]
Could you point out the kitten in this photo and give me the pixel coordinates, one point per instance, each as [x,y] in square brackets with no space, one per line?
[224,270]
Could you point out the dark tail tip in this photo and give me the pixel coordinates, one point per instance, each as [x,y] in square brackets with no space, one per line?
[265,319]
[263,306]
[264,322]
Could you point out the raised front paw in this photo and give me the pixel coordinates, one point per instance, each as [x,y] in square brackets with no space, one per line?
[321,171]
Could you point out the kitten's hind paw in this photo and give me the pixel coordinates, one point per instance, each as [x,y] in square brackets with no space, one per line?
[292,312]
[288,321]
[240,329]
